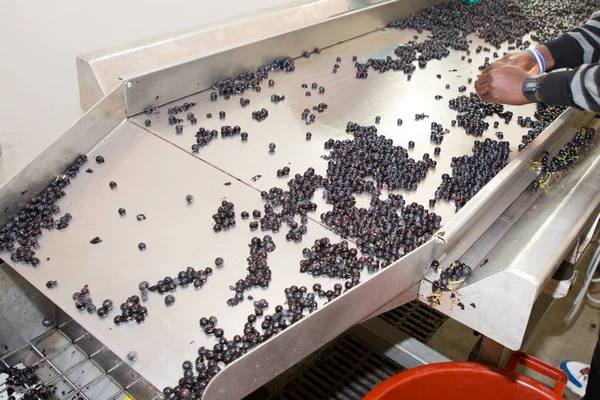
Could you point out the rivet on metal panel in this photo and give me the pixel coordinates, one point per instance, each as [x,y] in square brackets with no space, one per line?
[132,356]
[128,84]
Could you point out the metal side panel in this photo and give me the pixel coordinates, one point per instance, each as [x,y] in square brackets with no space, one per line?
[495,197]
[184,78]
[86,133]
[523,248]
[22,309]
[101,71]
[283,351]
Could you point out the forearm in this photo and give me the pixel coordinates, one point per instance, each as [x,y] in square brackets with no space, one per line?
[577,88]
[581,46]
[564,52]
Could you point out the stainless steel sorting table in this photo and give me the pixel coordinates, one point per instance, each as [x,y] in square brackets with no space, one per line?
[155,169]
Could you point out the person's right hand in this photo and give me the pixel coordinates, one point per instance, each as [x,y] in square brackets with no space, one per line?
[503,84]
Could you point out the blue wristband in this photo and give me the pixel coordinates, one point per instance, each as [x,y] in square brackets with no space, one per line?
[539,58]
[543,60]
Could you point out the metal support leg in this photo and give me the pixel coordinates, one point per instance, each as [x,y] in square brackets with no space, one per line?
[492,353]
[539,311]
[395,344]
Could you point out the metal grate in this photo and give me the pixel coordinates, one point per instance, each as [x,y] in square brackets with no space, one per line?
[82,368]
[78,365]
[416,319]
[346,369]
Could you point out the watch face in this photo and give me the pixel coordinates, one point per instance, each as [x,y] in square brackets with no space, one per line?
[530,86]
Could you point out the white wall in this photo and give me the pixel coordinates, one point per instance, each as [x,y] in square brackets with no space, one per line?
[39,97]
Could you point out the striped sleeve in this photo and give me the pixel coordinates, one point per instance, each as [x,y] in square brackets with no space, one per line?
[580,46]
[580,50]
[577,87]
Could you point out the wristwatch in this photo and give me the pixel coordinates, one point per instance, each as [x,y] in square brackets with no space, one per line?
[531,86]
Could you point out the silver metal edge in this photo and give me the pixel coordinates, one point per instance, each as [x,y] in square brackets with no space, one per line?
[100,71]
[79,139]
[472,221]
[22,309]
[90,83]
[492,201]
[524,274]
[552,249]
[318,328]
[506,299]
[173,82]
[396,302]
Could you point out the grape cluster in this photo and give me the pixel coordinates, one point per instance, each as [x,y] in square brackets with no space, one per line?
[565,158]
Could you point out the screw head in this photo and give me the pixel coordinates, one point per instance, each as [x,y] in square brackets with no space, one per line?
[128,84]
[132,356]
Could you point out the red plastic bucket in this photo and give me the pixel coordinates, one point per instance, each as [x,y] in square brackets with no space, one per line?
[471,381]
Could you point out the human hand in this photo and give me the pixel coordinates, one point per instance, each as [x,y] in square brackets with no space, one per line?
[525,60]
[503,84]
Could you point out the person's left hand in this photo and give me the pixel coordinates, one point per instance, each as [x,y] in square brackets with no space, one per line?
[503,84]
